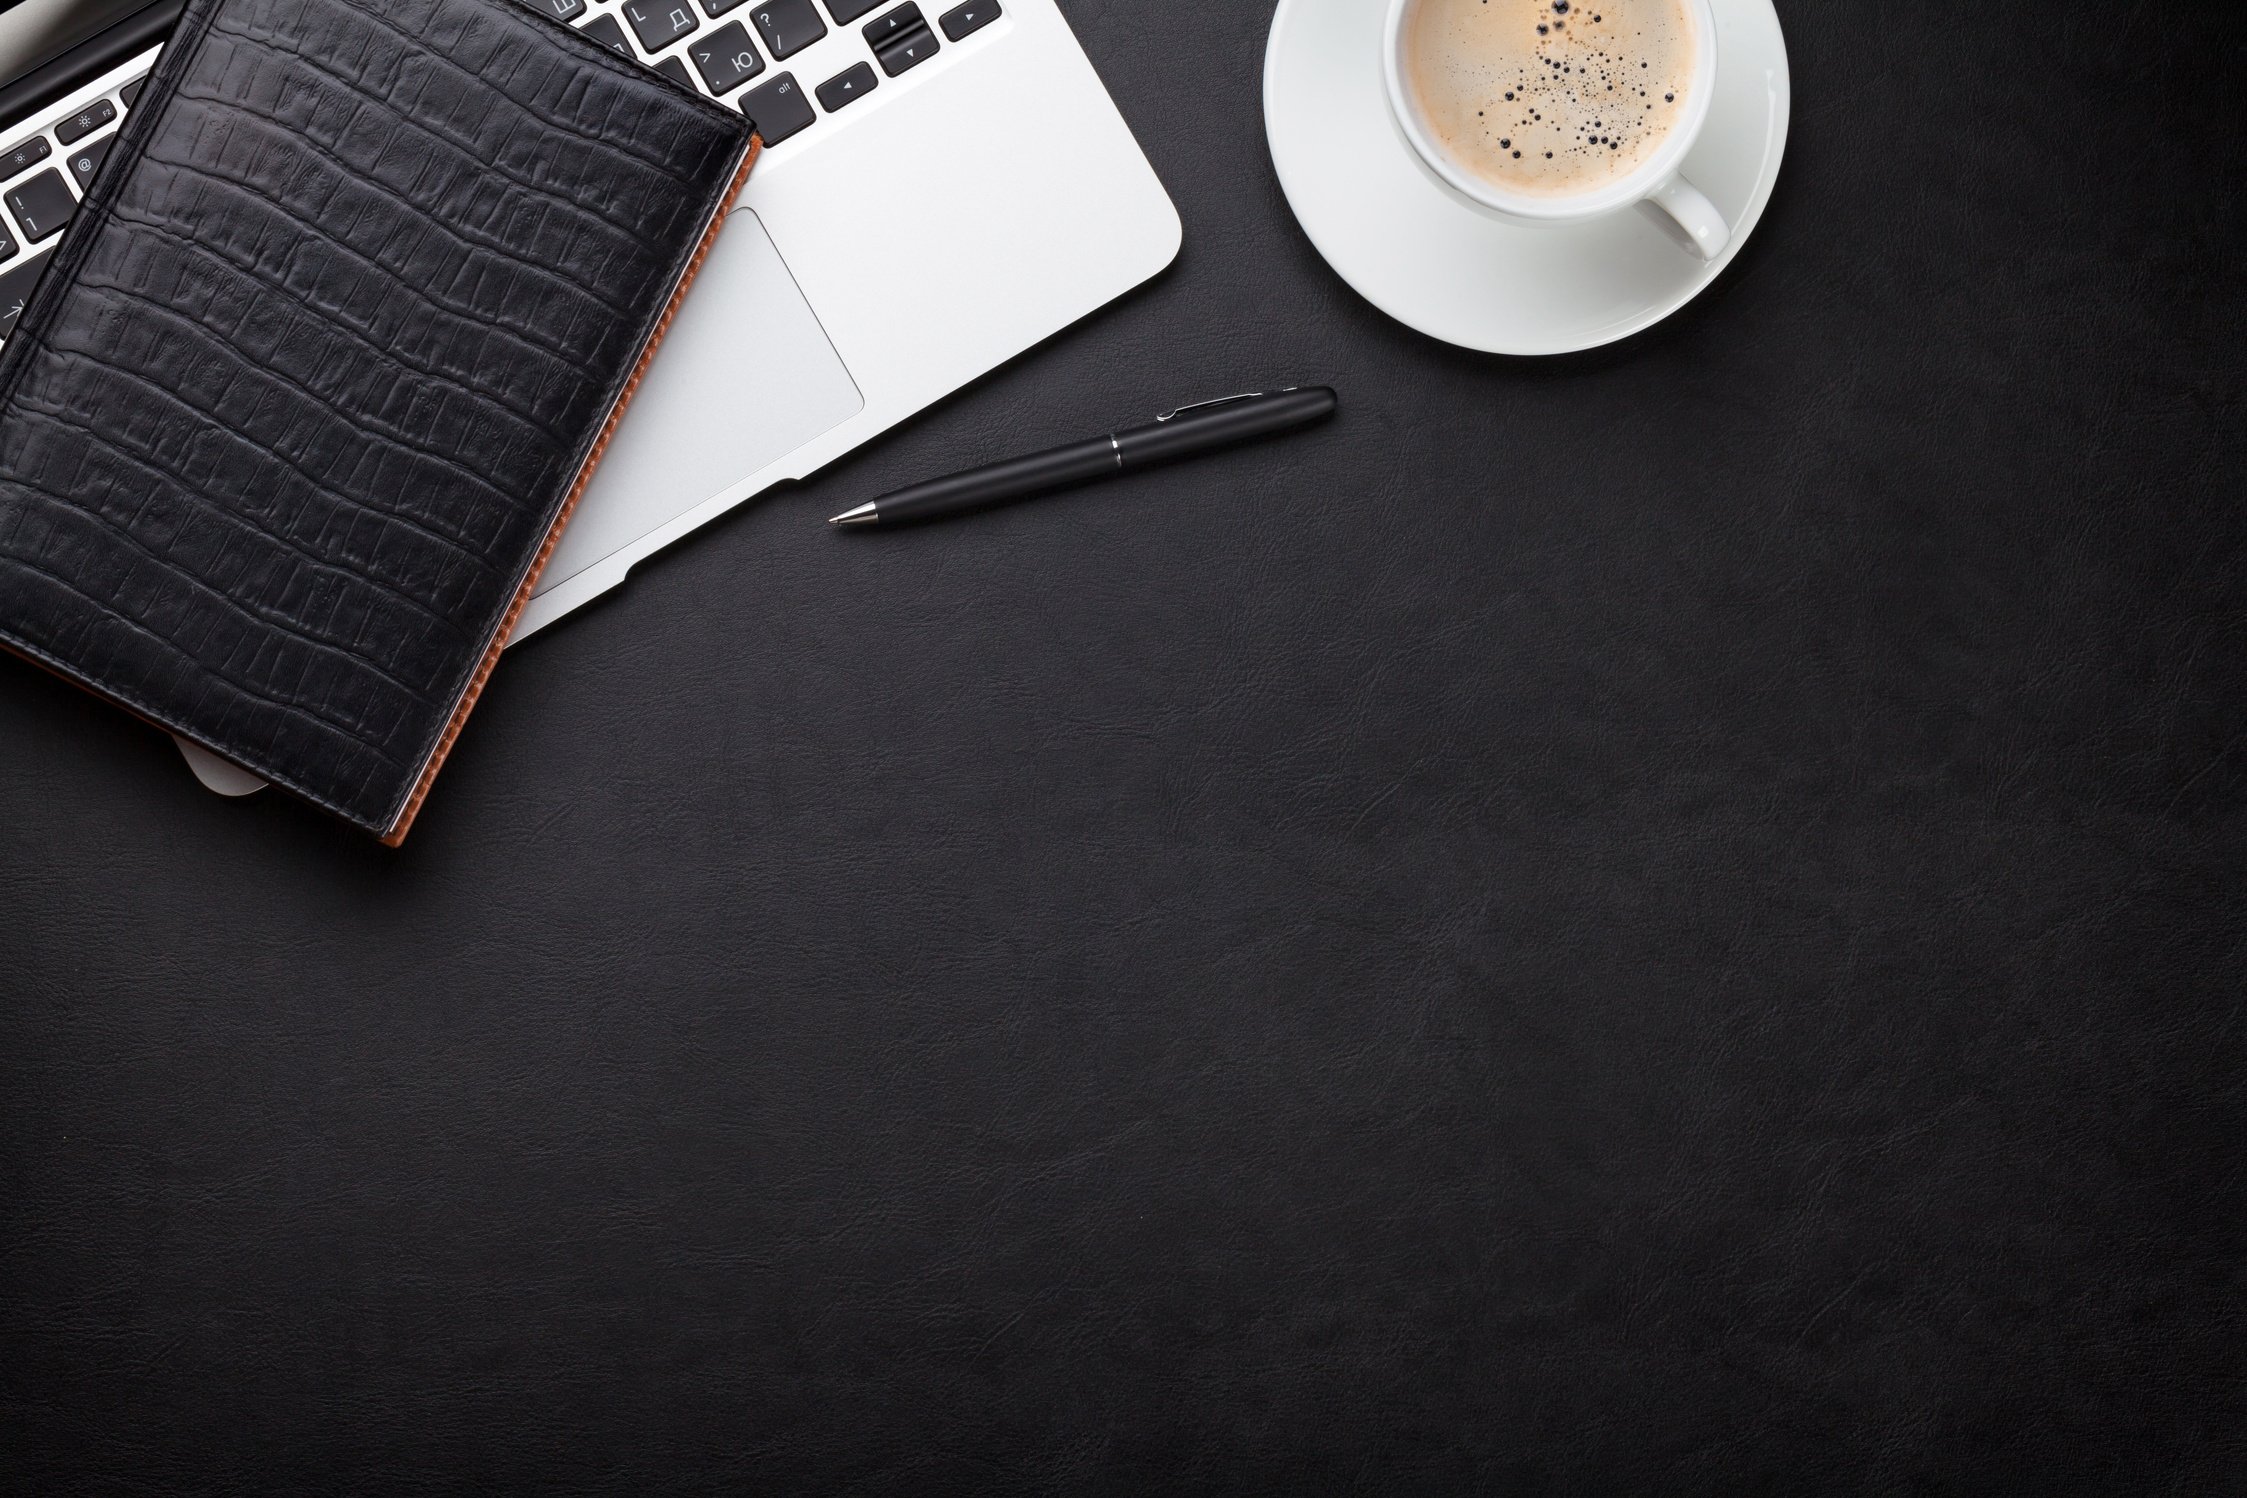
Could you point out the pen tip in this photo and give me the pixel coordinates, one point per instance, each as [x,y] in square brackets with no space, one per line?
[863,515]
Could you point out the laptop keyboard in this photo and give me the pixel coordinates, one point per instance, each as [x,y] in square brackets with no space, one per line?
[730,61]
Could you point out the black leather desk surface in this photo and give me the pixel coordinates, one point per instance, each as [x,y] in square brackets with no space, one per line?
[1664,921]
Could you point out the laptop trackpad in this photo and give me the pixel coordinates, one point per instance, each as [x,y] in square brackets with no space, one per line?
[744,378]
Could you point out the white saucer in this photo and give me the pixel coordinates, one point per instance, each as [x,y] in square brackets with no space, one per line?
[1433,263]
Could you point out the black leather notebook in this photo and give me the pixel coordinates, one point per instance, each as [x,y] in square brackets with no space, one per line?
[296,415]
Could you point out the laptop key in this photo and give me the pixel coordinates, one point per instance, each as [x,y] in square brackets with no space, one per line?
[717,8]
[560,10]
[676,71]
[659,23]
[891,25]
[908,51]
[131,91]
[789,26]
[778,109]
[973,16]
[29,154]
[847,87]
[42,205]
[847,11]
[603,29]
[86,160]
[727,58]
[86,121]
[15,290]
[8,245]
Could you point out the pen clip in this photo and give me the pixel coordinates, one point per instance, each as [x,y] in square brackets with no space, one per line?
[1246,395]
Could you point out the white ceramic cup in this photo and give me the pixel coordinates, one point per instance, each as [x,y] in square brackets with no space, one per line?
[1657,179]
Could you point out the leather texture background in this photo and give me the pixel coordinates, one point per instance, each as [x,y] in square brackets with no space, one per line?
[1667,921]
[296,407]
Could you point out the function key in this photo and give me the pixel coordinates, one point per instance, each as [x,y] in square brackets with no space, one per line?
[676,71]
[29,154]
[15,290]
[973,16]
[908,51]
[727,58]
[560,10]
[659,23]
[789,26]
[86,160]
[847,11]
[893,24]
[847,87]
[86,121]
[131,91]
[778,109]
[42,205]
[603,29]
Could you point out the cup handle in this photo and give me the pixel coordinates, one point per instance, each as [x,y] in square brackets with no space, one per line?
[1695,214]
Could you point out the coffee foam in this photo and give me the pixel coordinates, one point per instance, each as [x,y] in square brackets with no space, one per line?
[1549,97]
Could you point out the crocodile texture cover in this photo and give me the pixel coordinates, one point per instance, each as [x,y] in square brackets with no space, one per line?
[296,415]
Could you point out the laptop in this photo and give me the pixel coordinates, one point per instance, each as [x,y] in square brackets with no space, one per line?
[941,189]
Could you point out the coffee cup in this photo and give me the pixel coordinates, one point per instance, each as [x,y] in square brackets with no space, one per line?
[1558,111]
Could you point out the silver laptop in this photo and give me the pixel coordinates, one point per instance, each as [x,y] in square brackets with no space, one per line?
[940,190]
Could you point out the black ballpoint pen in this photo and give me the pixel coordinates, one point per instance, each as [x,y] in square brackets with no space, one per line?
[1186,432]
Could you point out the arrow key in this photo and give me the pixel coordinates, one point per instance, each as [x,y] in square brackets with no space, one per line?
[973,16]
[908,51]
[846,87]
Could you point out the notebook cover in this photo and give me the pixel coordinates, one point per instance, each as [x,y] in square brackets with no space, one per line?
[295,416]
